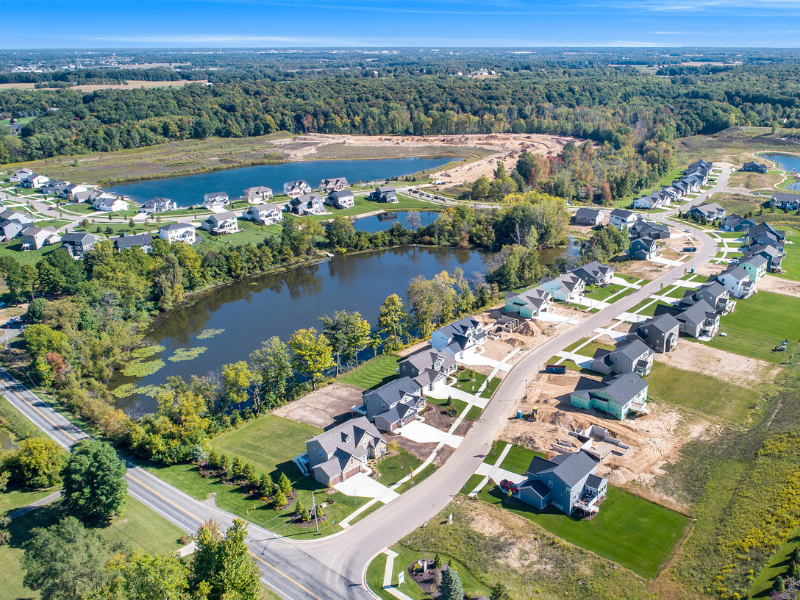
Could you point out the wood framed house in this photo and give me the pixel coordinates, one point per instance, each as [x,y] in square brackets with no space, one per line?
[33,238]
[754,167]
[700,320]
[157,205]
[530,303]
[264,214]
[588,216]
[459,338]
[737,281]
[661,332]
[566,288]
[783,201]
[70,191]
[309,204]
[393,405]
[384,193]
[78,243]
[109,203]
[620,218]
[139,240]
[630,356]
[617,396]
[714,293]
[215,200]
[20,175]
[35,181]
[594,273]
[567,481]
[710,211]
[335,184]
[341,199]
[643,248]
[755,266]
[428,368]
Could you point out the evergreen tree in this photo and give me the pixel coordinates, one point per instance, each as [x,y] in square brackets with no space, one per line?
[778,585]
[279,500]
[265,485]
[500,592]
[237,467]
[451,588]
[285,484]
[299,509]
[437,562]
[213,459]
[251,475]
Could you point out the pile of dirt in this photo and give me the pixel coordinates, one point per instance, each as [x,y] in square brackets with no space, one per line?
[528,328]
[564,420]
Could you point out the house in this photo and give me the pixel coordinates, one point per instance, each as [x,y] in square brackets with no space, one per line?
[293,189]
[15,215]
[393,405]
[258,194]
[529,303]
[309,204]
[764,234]
[427,367]
[54,186]
[737,281]
[81,196]
[660,332]
[588,216]
[341,199]
[221,223]
[734,222]
[567,288]
[772,254]
[693,184]
[33,238]
[78,243]
[710,211]
[384,193]
[623,218]
[651,202]
[681,188]
[336,184]
[10,228]
[714,293]
[630,356]
[700,320]
[108,203]
[141,240]
[594,273]
[214,200]
[783,201]
[35,181]
[178,232]
[654,231]
[756,267]
[754,167]
[643,248]
[616,396]
[264,214]
[463,336]
[567,481]
[72,189]
[20,175]
[339,453]
[157,205]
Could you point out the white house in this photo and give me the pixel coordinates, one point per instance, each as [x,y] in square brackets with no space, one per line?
[334,184]
[459,338]
[215,200]
[178,232]
[258,194]
[264,214]
[108,203]
[737,281]
[20,175]
[622,218]
[567,288]
[158,205]
[35,181]
[34,238]
[72,189]
[221,223]
[293,189]
[343,199]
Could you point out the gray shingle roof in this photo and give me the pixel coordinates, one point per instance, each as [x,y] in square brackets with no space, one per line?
[569,468]
[336,438]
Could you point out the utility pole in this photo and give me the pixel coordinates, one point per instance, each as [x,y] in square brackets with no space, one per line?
[314,508]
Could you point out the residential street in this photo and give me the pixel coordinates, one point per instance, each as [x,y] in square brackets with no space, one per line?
[334,567]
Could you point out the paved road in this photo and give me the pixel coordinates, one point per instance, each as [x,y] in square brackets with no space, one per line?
[334,568]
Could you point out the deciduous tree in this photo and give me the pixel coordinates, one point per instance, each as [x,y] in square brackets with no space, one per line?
[94,480]
[312,354]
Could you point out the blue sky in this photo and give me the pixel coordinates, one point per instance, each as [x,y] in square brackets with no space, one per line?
[387,23]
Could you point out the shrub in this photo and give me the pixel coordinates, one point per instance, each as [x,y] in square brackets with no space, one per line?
[237,467]
[305,516]
[285,484]
[778,585]
[279,501]
[299,509]
[213,459]
[265,485]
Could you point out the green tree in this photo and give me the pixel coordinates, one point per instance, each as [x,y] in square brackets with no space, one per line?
[299,508]
[347,333]
[500,592]
[237,467]
[94,480]
[285,484]
[35,463]
[147,577]
[481,188]
[276,380]
[67,561]
[391,319]
[437,561]
[338,231]
[778,585]
[279,499]
[250,473]
[451,588]
[224,563]
[312,354]
[236,380]
[36,310]
[265,485]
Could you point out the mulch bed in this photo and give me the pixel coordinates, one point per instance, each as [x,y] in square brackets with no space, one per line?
[426,580]
[298,522]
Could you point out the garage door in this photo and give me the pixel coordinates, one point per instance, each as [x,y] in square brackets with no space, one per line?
[354,471]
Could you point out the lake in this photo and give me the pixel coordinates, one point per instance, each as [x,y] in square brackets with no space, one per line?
[785,162]
[254,310]
[384,222]
[188,190]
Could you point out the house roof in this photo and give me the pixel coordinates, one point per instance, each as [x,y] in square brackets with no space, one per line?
[711,207]
[78,236]
[736,272]
[460,327]
[156,201]
[337,437]
[588,213]
[632,349]
[642,243]
[395,390]
[537,487]
[425,359]
[211,195]
[176,227]
[127,240]
[535,297]
[593,481]
[333,180]
[756,260]
[663,323]
[592,270]
[297,183]
[259,189]
[569,468]
[385,189]
[784,197]
[624,214]
[623,388]
[341,194]
[222,216]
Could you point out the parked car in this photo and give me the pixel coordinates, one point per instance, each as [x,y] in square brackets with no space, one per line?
[507,485]
[687,230]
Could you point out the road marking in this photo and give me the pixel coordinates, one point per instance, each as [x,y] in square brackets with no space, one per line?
[196,518]
[5,384]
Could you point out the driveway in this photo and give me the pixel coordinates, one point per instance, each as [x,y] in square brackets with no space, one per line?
[422,433]
[364,486]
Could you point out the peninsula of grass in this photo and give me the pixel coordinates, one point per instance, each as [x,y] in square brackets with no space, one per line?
[628,530]
[373,373]
[393,468]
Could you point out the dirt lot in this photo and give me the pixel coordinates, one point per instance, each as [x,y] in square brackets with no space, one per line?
[780,286]
[745,183]
[638,268]
[326,407]
[732,368]
[654,439]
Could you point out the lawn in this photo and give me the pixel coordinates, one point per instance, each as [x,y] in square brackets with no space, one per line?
[25,257]
[630,531]
[778,566]
[269,442]
[694,277]
[471,484]
[373,373]
[404,558]
[791,262]
[643,309]
[459,405]
[518,459]
[758,325]
[394,468]
[139,526]
[493,384]
[469,381]
[677,292]
[599,293]
[701,393]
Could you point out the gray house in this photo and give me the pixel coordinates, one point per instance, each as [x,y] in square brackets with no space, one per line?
[594,273]
[660,332]
[734,222]
[588,216]
[567,481]
[710,211]
[258,194]
[9,229]
[158,205]
[341,199]
[644,248]
[632,356]
[384,193]
[334,184]
[714,293]
[141,240]
[754,167]
[698,320]
[344,451]
[783,201]
[393,405]
[78,243]
[308,204]
[655,231]
[427,367]
[771,253]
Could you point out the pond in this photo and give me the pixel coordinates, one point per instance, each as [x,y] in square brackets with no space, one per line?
[384,222]
[6,442]
[249,312]
[188,190]
[787,163]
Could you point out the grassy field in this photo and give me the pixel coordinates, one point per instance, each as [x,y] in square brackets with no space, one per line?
[791,262]
[628,530]
[25,257]
[702,393]
[758,325]
[197,156]
[268,442]
[373,373]
[139,527]
[518,459]
[394,468]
